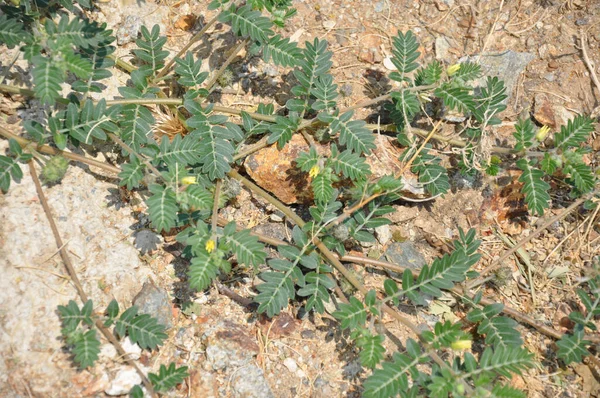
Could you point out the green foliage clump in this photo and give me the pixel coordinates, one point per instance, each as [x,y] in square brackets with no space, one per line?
[186,178]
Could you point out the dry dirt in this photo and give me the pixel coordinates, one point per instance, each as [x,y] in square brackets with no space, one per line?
[303,355]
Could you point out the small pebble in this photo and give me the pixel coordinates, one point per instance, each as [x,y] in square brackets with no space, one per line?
[290,364]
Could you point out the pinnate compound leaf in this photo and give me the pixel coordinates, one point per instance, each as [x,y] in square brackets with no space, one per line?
[132,173]
[322,186]
[203,270]
[278,287]
[534,188]
[371,349]
[468,71]
[498,330]
[247,248]
[8,167]
[168,377]
[490,101]
[581,176]
[574,133]
[315,64]
[442,273]
[185,151]
[429,74]
[162,207]
[405,54]
[47,79]
[71,316]
[317,284]
[349,164]
[353,134]
[90,122]
[456,98]
[524,134]
[283,129]
[548,164]
[392,378]
[189,71]
[432,175]
[351,315]
[86,349]
[11,32]
[573,347]
[142,329]
[150,48]
[247,22]
[281,51]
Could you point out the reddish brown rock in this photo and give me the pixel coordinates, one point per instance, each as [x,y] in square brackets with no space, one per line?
[275,171]
[543,111]
[368,50]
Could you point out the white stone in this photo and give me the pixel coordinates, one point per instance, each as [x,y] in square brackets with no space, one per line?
[389,65]
[107,352]
[290,364]
[328,24]
[134,350]
[384,234]
[124,380]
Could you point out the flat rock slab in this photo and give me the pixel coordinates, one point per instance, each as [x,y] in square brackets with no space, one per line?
[34,280]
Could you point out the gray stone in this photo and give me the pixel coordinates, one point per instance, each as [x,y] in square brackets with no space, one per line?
[379,6]
[154,301]
[129,30]
[272,230]
[405,254]
[441,48]
[123,382]
[384,234]
[290,364]
[228,345]
[250,382]
[507,65]
[341,36]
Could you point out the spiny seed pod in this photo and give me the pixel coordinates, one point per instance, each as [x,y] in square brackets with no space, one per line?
[231,188]
[54,169]
[322,135]
[346,286]
[341,232]
[502,276]
[226,78]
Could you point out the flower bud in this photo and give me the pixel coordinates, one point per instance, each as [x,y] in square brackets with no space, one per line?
[461,345]
[452,69]
[188,180]
[542,133]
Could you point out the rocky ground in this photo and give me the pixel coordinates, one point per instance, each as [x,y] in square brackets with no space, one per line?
[535,46]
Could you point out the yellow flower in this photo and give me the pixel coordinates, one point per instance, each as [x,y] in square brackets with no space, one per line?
[188,180]
[452,69]
[210,246]
[542,133]
[314,171]
[461,345]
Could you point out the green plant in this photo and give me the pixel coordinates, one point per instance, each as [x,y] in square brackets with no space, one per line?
[573,347]
[79,332]
[187,178]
